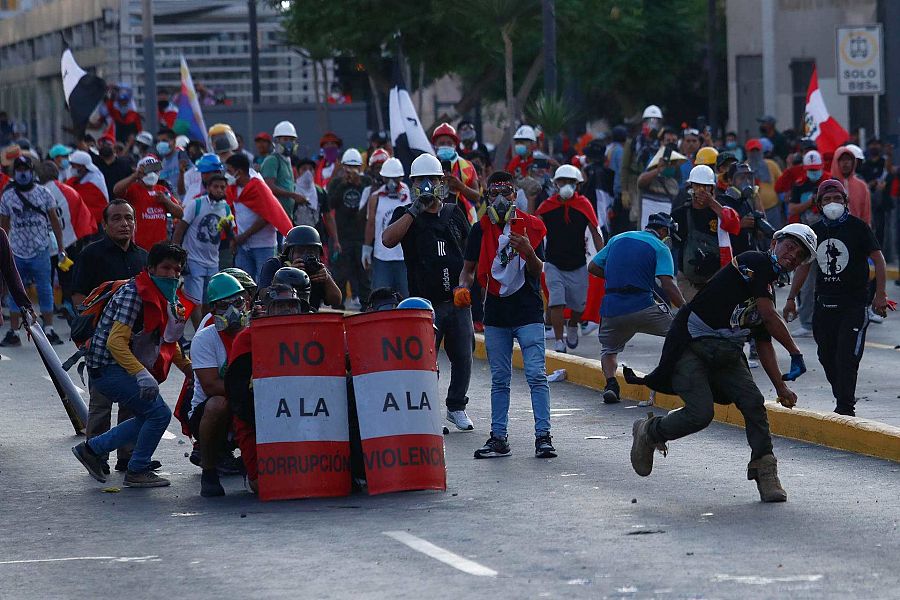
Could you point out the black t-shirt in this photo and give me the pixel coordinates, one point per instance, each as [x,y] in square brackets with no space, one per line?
[113,173]
[433,251]
[804,192]
[565,241]
[729,299]
[103,261]
[524,307]
[705,222]
[349,218]
[842,256]
[743,241]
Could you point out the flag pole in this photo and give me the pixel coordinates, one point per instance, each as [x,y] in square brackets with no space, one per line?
[149,67]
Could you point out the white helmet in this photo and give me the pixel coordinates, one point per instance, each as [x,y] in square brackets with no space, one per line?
[812,159]
[426,165]
[803,234]
[525,132]
[392,167]
[702,175]
[857,151]
[351,158]
[285,129]
[182,141]
[652,112]
[568,172]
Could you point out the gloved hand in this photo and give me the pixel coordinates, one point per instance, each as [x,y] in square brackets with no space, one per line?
[366,257]
[462,297]
[147,384]
[798,368]
[419,205]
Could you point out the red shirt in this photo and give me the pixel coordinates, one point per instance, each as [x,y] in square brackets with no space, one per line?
[149,214]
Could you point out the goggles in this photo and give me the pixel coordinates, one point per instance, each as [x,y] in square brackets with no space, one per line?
[500,189]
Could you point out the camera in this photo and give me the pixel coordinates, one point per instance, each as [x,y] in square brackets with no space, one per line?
[761,224]
[312,264]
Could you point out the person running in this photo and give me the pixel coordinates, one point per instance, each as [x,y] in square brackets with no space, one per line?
[631,262]
[846,244]
[703,359]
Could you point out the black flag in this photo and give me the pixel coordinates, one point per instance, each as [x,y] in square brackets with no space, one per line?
[407,135]
[83,90]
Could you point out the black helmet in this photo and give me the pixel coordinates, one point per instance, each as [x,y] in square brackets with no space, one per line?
[294,278]
[725,157]
[302,235]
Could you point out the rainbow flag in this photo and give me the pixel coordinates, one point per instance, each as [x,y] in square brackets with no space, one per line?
[190,118]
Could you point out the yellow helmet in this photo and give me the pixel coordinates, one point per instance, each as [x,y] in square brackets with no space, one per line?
[706,156]
[222,138]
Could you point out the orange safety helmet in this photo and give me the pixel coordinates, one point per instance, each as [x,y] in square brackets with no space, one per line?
[330,137]
[445,129]
[379,156]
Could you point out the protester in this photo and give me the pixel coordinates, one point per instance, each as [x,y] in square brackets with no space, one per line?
[387,264]
[732,146]
[843,168]
[875,170]
[742,196]
[150,200]
[659,185]
[433,237]
[27,215]
[688,147]
[638,152]
[59,154]
[121,109]
[508,264]
[631,263]
[470,148]
[462,179]
[345,191]
[276,167]
[330,151]
[846,244]
[114,168]
[314,208]
[303,250]
[145,319]
[567,217]
[524,145]
[196,179]
[803,208]
[766,171]
[90,183]
[170,159]
[703,359]
[264,147]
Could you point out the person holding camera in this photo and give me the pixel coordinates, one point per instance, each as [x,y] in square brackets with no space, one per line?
[303,249]
[743,196]
[659,185]
[150,200]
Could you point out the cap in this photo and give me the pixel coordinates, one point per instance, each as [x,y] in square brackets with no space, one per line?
[753,144]
[828,186]
[60,150]
[263,135]
[145,138]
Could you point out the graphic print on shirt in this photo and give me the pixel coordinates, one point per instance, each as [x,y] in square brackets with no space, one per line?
[208,229]
[351,198]
[833,256]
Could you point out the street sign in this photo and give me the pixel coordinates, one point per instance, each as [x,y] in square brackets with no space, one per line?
[860,60]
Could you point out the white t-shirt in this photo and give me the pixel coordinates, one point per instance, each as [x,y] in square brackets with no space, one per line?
[193,184]
[264,238]
[384,210]
[207,352]
[201,240]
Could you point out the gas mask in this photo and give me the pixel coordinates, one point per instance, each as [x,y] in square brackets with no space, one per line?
[233,318]
[392,187]
[500,207]
[427,191]
[285,148]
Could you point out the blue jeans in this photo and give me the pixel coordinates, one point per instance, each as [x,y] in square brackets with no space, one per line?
[144,429]
[251,259]
[498,342]
[390,273]
[35,270]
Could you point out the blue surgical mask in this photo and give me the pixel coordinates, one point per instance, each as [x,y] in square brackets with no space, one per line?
[814,175]
[168,286]
[731,145]
[446,153]
[65,164]
[163,148]
[521,150]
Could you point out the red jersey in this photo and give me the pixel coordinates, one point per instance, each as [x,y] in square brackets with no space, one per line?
[149,213]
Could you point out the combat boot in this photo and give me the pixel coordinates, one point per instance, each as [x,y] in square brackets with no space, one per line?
[765,471]
[642,447]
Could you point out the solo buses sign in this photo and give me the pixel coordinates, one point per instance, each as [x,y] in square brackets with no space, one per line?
[860,54]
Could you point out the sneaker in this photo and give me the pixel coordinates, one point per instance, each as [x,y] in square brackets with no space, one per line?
[611,392]
[210,486]
[54,338]
[650,401]
[560,346]
[122,465]
[589,327]
[801,332]
[146,479]
[460,419]
[642,447]
[548,333]
[572,336]
[92,462]
[495,447]
[874,317]
[543,446]
[106,469]
[11,340]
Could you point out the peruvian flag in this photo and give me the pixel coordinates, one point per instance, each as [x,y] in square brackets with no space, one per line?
[819,125]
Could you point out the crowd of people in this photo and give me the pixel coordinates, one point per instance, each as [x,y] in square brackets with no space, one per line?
[651,230]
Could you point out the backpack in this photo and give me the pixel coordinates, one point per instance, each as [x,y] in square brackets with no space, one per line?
[89,311]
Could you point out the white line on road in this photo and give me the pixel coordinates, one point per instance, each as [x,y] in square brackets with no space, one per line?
[168,435]
[50,379]
[2,357]
[445,556]
[71,558]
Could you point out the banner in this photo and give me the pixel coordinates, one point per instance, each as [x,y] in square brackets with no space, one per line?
[83,91]
[407,135]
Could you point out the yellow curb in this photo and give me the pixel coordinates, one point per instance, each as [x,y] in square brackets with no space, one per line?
[862,436]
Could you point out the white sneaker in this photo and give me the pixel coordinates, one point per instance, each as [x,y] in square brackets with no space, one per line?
[560,346]
[572,336]
[753,364]
[801,332]
[460,419]
[589,327]
[548,333]
[874,317]
[649,402]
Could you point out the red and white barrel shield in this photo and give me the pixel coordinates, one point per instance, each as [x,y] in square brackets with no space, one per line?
[394,364]
[300,396]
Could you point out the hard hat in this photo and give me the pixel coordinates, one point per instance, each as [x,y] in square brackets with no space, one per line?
[812,160]
[243,278]
[426,165]
[302,235]
[445,129]
[392,167]
[145,138]
[417,303]
[209,163]
[803,234]
[568,172]
[856,150]
[379,156]
[706,156]
[352,158]
[330,137]
[295,278]
[182,141]
[222,138]
[652,112]
[703,175]
[60,150]
[222,286]
[285,129]
[525,132]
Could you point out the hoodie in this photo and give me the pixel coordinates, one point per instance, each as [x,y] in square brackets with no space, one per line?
[858,192]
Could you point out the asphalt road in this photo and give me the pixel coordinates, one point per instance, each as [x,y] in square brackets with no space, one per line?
[579,526]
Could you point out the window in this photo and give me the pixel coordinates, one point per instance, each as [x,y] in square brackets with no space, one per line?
[801,72]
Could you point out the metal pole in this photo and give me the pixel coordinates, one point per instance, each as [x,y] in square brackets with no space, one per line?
[712,95]
[149,68]
[876,130]
[768,54]
[254,51]
[549,21]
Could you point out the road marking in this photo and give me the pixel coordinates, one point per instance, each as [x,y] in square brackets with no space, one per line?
[758,580]
[2,357]
[71,558]
[445,556]
[50,379]
[882,346]
[168,435]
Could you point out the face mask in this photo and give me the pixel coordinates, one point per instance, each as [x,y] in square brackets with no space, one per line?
[392,186]
[500,210]
[467,135]
[446,153]
[233,318]
[833,211]
[163,148]
[331,154]
[774,258]
[168,286]
[567,191]
[814,175]
[151,178]
[287,148]
[731,145]
[65,164]
[230,179]
[424,190]
[24,178]
[521,149]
